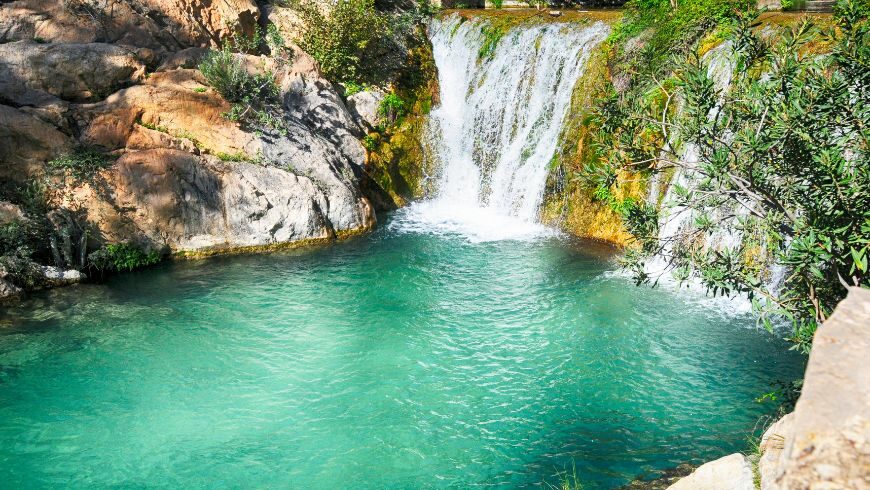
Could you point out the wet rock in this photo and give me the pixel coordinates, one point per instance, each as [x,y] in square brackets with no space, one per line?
[733,472]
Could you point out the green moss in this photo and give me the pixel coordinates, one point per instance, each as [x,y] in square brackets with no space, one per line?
[396,149]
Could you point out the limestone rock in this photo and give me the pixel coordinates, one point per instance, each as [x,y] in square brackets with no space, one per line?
[321,143]
[364,106]
[28,142]
[287,20]
[9,293]
[74,72]
[157,24]
[201,204]
[56,277]
[733,472]
[772,443]
[828,446]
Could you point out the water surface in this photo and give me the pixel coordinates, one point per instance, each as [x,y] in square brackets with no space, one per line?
[401,359]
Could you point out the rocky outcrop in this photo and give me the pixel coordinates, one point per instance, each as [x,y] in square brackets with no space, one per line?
[28,142]
[825,442]
[157,24]
[733,472]
[171,188]
[120,79]
[199,204]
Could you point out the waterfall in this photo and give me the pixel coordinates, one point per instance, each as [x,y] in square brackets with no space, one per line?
[497,128]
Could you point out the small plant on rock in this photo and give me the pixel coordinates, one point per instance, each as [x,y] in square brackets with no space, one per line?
[122,257]
[254,96]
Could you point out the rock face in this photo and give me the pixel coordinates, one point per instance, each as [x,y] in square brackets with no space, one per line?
[772,444]
[733,472]
[28,142]
[157,24]
[364,106]
[57,69]
[826,441]
[173,191]
[200,204]
[120,78]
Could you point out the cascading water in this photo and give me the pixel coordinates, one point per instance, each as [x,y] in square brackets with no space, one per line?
[497,128]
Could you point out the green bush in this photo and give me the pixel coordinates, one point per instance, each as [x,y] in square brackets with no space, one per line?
[121,257]
[343,39]
[392,108]
[669,30]
[225,72]
[255,97]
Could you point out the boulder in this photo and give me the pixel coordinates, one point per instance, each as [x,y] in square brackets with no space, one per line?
[287,20]
[74,72]
[365,106]
[772,443]
[827,439]
[9,293]
[53,277]
[733,472]
[9,213]
[321,142]
[199,204]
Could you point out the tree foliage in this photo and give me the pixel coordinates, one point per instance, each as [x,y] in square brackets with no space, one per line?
[780,154]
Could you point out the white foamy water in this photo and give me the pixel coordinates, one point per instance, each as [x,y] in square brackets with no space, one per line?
[496,130]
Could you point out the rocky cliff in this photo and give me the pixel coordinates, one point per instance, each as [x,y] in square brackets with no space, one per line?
[118,79]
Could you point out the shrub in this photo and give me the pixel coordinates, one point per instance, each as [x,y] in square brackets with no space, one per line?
[254,96]
[82,164]
[343,39]
[226,73]
[669,30]
[392,107]
[121,257]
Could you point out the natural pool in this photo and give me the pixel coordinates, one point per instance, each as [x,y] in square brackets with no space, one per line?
[401,359]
